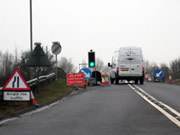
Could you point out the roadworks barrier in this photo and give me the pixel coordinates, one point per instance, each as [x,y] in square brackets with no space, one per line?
[146,76]
[105,80]
[103,83]
[170,78]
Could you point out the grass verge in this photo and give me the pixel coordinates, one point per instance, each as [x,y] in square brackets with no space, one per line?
[47,94]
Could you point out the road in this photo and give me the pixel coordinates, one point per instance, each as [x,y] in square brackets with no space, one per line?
[115,110]
[169,94]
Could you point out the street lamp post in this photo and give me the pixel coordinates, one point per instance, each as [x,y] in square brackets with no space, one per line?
[31,32]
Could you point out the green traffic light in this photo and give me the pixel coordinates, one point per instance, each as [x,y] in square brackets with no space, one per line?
[91,64]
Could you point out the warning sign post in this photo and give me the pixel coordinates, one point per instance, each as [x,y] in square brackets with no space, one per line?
[16,88]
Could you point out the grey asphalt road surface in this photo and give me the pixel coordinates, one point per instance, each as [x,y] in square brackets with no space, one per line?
[166,93]
[114,110]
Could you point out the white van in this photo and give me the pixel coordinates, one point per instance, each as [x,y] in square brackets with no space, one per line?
[127,64]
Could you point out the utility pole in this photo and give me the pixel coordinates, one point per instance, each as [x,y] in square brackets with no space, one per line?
[31,31]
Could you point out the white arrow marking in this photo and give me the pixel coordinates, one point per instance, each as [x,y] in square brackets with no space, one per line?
[158,74]
[86,74]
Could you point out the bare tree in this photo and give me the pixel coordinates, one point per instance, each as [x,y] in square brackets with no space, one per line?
[9,62]
[83,64]
[100,66]
[22,65]
[7,65]
[16,58]
[175,65]
[150,67]
[50,56]
[146,65]
[67,65]
[1,67]
[165,69]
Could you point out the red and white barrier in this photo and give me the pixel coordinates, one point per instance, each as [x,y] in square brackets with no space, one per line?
[103,83]
[107,79]
[146,76]
[170,78]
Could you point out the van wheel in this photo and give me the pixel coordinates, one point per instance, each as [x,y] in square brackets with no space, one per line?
[142,81]
[136,81]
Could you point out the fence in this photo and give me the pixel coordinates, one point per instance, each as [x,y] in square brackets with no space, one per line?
[45,79]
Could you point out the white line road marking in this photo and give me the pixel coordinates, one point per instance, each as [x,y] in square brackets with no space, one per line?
[86,74]
[146,93]
[38,110]
[169,116]
[7,120]
[172,110]
[168,107]
[158,74]
[131,87]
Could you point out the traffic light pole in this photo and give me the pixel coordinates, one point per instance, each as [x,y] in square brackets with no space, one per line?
[31,31]
[95,75]
[91,62]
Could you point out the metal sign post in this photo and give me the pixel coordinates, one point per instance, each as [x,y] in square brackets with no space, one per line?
[56,68]
[56,49]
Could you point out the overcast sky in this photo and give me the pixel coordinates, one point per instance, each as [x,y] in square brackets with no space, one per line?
[101,25]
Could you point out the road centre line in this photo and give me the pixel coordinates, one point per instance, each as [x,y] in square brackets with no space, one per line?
[168,107]
[145,93]
[146,96]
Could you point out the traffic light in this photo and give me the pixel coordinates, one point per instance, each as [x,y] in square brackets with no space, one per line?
[91,58]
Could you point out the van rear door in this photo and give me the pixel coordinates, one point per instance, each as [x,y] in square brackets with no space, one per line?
[130,63]
[136,62]
[136,66]
[125,66]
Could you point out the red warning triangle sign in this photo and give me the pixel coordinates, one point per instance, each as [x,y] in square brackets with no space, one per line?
[16,82]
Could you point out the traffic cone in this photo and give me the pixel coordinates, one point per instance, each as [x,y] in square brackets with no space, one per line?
[33,101]
[170,78]
[103,83]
